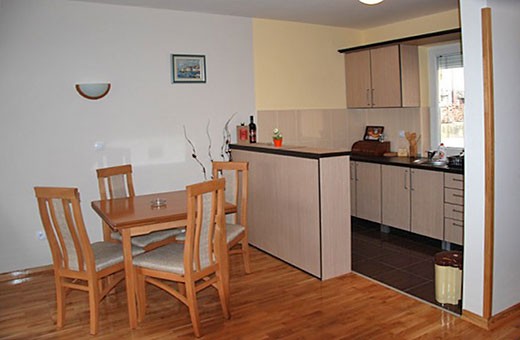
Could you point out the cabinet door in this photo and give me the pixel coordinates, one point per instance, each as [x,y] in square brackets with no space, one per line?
[396,196]
[386,76]
[357,75]
[368,191]
[353,211]
[427,189]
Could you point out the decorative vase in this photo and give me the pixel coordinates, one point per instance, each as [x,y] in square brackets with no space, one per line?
[277,142]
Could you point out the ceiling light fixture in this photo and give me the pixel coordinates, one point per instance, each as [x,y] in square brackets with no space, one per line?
[371,2]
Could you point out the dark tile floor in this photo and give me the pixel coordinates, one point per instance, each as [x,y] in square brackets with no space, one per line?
[399,259]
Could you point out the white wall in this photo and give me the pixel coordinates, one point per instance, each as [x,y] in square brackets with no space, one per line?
[48,131]
[474,160]
[506,54]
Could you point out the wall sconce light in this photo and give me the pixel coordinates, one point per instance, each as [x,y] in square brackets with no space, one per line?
[93,91]
[371,2]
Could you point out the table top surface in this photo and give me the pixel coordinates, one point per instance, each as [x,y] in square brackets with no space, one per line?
[129,212]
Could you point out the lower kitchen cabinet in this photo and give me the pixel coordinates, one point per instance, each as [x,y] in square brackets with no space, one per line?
[365,179]
[412,200]
[427,213]
[454,208]
[396,197]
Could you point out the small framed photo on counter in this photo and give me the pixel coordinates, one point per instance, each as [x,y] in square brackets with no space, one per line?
[373,132]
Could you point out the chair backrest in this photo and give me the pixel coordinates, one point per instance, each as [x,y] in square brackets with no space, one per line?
[60,212]
[205,231]
[115,182]
[236,175]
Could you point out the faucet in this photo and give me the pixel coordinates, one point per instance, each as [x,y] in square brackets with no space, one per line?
[431,153]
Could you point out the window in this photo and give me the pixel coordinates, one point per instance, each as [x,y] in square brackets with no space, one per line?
[447,96]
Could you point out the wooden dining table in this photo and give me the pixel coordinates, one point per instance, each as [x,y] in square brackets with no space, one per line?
[132,216]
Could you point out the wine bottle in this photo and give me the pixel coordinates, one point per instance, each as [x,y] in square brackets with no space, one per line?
[252,130]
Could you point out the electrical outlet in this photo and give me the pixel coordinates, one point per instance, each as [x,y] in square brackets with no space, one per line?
[40,235]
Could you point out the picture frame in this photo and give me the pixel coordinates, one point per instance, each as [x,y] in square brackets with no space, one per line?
[188,68]
[373,132]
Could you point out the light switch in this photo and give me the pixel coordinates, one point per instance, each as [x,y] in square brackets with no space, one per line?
[401,133]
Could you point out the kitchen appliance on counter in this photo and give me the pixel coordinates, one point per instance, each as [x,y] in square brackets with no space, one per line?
[456,161]
[370,148]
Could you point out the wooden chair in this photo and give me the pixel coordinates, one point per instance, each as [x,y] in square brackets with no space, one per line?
[196,264]
[236,175]
[117,182]
[77,263]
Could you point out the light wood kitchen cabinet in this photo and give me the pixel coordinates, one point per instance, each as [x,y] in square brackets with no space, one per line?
[413,200]
[454,208]
[366,179]
[427,208]
[396,197]
[383,77]
[299,208]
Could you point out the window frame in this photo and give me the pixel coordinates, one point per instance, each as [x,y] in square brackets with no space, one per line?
[435,119]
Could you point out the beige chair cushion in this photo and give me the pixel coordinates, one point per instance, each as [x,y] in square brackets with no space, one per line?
[107,254]
[232,231]
[144,240]
[168,258]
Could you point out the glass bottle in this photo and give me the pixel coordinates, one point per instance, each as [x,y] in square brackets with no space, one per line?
[252,130]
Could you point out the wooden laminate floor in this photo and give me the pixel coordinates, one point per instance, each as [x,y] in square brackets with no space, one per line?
[276,301]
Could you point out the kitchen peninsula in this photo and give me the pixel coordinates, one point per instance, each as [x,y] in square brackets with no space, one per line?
[299,205]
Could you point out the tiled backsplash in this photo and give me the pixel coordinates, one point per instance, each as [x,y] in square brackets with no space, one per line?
[336,128]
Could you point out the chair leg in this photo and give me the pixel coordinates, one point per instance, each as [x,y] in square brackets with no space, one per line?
[141,296]
[223,295]
[191,296]
[245,254]
[60,302]
[93,298]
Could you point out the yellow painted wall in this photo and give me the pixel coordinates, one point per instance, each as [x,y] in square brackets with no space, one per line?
[297,65]
[422,25]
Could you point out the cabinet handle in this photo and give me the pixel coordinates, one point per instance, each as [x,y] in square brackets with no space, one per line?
[457,180]
[368,97]
[458,195]
[405,178]
[351,171]
[411,181]
[373,103]
[458,211]
[458,225]
[357,179]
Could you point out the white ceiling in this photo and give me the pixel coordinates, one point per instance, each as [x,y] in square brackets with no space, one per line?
[342,13]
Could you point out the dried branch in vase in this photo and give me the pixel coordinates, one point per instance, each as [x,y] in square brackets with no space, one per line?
[194,154]
[226,140]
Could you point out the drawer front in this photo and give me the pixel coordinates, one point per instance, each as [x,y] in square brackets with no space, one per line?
[454,196]
[454,231]
[454,181]
[453,211]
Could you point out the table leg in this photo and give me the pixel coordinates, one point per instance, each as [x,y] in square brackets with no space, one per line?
[129,278]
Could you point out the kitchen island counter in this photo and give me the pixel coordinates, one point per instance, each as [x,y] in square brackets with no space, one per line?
[299,205]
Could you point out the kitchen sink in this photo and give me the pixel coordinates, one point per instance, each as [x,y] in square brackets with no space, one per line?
[433,162]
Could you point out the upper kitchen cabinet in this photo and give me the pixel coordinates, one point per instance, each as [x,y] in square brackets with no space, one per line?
[383,77]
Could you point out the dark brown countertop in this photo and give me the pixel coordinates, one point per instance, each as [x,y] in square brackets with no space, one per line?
[406,162]
[292,150]
[317,153]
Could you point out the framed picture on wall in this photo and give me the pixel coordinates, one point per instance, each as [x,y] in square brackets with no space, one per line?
[188,68]
[373,132]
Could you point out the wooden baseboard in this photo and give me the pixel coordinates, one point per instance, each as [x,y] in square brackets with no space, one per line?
[22,274]
[504,316]
[495,321]
[475,319]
